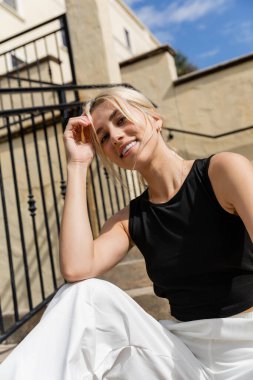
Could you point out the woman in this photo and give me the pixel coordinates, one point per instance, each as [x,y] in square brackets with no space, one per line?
[194,226]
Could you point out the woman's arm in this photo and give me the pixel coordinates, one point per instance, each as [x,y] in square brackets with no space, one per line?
[80,256]
[232,179]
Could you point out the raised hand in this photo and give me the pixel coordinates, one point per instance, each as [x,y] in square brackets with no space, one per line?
[77,140]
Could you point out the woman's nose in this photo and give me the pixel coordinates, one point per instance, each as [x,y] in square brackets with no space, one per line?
[116,138]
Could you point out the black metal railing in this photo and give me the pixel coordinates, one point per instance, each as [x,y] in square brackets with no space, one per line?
[42,60]
[205,135]
[32,190]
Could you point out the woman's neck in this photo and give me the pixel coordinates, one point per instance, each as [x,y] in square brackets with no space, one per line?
[165,174]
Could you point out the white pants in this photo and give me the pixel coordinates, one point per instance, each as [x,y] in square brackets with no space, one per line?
[94,330]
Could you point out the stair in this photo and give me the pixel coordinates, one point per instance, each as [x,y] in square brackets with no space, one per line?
[131,276]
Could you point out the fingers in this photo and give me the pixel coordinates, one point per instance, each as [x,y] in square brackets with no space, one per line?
[78,129]
[80,121]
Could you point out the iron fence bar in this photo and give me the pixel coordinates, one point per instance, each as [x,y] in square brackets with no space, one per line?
[32,208]
[15,122]
[1,100]
[8,81]
[21,230]
[123,190]
[38,71]
[71,59]
[95,197]
[100,186]
[31,41]
[48,63]
[19,84]
[58,56]
[66,87]
[1,320]
[51,174]
[29,80]
[31,29]
[127,184]
[26,318]
[28,75]
[207,135]
[134,186]
[109,189]
[117,196]
[39,109]
[64,112]
[63,182]
[9,249]
[141,184]
[43,199]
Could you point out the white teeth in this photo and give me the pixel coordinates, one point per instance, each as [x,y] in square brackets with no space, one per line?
[128,147]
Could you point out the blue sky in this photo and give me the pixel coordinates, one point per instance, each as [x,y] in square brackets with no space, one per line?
[208,32]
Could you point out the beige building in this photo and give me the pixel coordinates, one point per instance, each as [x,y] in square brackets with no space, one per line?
[128,36]
[204,112]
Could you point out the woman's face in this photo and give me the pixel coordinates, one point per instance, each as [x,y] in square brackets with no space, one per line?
[123,141]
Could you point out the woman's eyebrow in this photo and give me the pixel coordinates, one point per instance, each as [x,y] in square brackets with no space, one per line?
[114,112]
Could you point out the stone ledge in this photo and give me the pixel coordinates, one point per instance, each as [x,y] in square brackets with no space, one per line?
[151,53]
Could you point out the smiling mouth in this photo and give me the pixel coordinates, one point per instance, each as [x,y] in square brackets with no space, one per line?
[127,148]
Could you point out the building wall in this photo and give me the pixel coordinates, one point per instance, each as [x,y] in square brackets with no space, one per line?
[216,102]
[32,13]
[123,22]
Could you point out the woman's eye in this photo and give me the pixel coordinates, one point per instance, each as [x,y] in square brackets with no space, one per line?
[122,120]
[104,138]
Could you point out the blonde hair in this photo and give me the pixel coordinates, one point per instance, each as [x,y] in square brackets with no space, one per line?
[120,97]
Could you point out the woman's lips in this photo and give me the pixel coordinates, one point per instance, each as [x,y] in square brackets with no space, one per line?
[127,148]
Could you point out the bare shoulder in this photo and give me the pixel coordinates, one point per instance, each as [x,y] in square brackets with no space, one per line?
[228,172]
[228,161]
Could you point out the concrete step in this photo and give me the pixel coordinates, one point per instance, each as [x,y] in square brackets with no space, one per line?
[131,276]
[133,254]
[5,350]
[23,330]
[128,274]
[158,307]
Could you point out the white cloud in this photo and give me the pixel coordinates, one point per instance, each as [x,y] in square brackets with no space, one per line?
[239,32]
[193,10]
[201,27]
[151,16]
[208,54]
[181,11]
[164,36]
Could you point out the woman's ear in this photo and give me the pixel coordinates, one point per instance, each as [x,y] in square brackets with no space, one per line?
[157,122]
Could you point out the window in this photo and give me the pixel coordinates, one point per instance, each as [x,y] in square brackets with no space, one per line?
[15,61]
[127,36]
[11,3]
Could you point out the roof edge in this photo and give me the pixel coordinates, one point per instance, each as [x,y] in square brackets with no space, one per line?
[213,69]
[161,49]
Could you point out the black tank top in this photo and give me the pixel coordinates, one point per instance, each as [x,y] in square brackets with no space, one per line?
[197,255]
